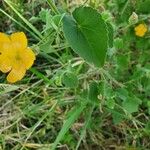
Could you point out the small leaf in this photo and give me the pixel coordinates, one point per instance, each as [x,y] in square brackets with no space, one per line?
[43,13]
[110,103]
[57,19]
[131,104]
[47,48]
[122,93]
[93,93]
[118,43]
[70,80]
[87,34]
[117,116]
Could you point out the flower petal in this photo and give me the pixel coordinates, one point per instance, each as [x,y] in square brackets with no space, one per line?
[16,74]
[19,40]
[28,58]
[4,42]
[140,30]
[5,64]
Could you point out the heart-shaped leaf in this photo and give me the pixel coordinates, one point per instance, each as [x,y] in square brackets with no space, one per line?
[87,34]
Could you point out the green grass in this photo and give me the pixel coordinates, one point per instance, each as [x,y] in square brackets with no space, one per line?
[108,108]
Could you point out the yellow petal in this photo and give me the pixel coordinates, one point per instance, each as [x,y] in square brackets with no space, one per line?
[140,30]
[16,74]
[19,40]
[4,42]
[28,58]
[5,64]
[4,37]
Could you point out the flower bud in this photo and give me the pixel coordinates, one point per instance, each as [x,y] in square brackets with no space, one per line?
[133,19]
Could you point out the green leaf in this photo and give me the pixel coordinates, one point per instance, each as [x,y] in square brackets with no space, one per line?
[123,61]
[110,103]
[70,80]
[43,13]
[131,104]
[117,117]
[118,43]
[143,6]
[87,34]
[122,93]
[47,47]
[147,127]
[57,19]
[93,93]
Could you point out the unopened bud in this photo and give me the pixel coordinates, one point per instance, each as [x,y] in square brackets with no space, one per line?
[133,19]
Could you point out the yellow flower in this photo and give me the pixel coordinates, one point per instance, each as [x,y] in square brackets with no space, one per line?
[15,56]
[140,30]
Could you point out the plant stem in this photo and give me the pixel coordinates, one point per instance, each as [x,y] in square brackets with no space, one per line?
[52,6]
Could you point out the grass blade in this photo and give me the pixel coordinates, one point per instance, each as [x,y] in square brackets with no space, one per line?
[20,24]
[40,75]
[83,132]
[75,114]
[23,19]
